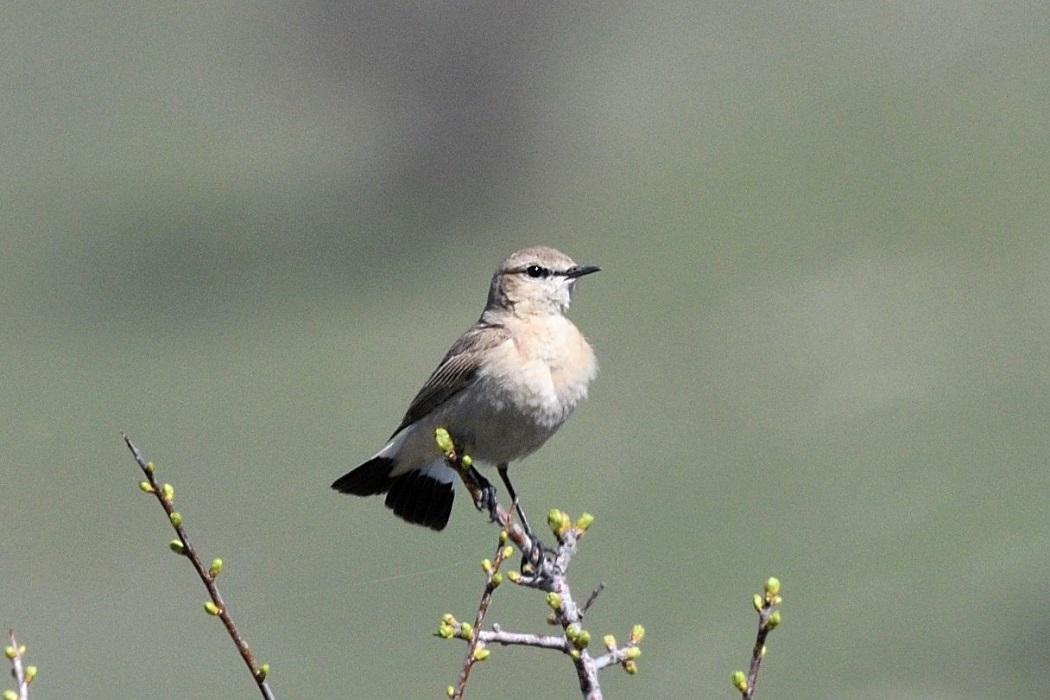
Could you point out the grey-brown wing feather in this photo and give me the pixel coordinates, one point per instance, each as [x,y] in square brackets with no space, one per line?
[456,370]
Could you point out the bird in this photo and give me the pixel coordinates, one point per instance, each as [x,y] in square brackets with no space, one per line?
[503,388]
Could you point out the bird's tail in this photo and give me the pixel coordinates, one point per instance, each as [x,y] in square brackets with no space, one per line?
[370,479]
[421,496]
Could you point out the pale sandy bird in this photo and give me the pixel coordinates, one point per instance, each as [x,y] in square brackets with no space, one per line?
[501,391]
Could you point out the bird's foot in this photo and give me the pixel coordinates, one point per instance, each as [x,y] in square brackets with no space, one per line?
[534,561]
[485,496]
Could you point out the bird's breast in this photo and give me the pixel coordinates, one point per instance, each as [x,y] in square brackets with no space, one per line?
[526,390]
[558,362]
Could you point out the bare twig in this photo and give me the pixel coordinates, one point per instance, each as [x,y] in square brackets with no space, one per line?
[476,650]
[593,597]
[165,495]
[766,605]
[22,673]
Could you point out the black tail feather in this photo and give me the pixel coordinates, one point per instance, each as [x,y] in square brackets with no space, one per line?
[370,479]
[421,499]
[413,496]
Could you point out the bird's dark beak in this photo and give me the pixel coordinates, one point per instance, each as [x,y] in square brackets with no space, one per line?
[581,270]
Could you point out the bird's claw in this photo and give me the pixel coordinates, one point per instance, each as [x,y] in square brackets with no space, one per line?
[485,497]
[533,561]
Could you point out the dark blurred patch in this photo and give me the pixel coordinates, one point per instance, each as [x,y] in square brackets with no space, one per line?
[459,82]
[457,86]
[190,256]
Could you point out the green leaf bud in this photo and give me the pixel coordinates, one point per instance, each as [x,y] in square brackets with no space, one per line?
[584,521]
[609,641]
[740,681]
[264,671]
[30,673]
[146,487]
[774,619]
[481,653]
[758,602]
[772,587]
[168,492]
[444,441]
[637,634]
[216,567]
[177,546]
[210,607]
[553,600]
[466,630]
[176,519]
[558,521]
[631,667]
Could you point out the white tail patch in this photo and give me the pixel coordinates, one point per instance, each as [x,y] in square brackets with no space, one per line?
[438,470]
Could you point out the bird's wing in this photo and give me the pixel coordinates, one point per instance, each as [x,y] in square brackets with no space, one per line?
[456,371]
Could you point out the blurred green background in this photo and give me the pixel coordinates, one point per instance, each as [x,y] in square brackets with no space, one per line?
[245,232]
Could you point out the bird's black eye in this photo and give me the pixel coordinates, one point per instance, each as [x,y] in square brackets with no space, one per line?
[537,271]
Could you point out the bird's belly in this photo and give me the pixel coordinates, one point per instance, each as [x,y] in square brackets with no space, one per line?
[500,422]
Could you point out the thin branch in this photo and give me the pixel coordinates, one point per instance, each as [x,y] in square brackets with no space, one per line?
[165,495]
[22,673]
[593,597]
[476,644]
[524,639]
[767,606]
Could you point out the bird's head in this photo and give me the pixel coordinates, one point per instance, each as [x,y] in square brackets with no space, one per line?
[536,281]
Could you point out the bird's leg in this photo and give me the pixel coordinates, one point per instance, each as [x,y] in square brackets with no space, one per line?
[502,469]
[536,556]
